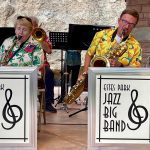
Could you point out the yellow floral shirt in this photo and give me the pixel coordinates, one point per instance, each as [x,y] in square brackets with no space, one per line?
[101,45]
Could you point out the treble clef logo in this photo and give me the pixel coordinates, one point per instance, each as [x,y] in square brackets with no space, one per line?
[134,112]
[9,111]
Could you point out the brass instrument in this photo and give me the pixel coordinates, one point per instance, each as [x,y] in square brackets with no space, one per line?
[6,57]
[39,34]
[75,92]
[99,61]
[116,51]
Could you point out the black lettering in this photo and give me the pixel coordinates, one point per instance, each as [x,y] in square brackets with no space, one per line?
[116,98]
[1,86]
[114,126]
[123,87]
[112,98]
[105,125]
[110,112]
[109,87]
[111,126]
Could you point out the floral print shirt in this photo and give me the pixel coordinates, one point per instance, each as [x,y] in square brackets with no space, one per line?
[102,44]
[29,53]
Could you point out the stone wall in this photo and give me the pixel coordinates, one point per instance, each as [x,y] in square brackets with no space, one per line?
[56,15]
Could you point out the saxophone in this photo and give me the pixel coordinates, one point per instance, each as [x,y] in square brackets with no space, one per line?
[75,91]
[6,57]
[116,51]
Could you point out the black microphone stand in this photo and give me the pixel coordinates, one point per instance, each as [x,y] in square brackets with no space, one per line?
[83,109]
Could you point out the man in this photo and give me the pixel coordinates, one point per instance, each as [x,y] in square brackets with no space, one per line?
[73,63]
[105,41]
[49,75]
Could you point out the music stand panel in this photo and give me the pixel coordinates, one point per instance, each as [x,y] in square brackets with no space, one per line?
[59,40]
[80,36]
[6,32]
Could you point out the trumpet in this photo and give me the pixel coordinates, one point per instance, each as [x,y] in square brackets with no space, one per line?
[39,34]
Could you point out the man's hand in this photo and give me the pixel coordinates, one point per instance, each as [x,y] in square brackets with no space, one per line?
[115,63]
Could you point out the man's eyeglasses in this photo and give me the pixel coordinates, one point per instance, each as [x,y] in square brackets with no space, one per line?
[132,25]
[27,18]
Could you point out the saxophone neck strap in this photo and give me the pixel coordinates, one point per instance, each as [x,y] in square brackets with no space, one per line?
[16,52]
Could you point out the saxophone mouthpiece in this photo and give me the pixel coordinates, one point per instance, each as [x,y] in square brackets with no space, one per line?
[19,37]
[123,33]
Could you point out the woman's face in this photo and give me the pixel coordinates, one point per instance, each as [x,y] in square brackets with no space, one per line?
[22,31]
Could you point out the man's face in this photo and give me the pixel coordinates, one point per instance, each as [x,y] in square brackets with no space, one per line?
[126,23]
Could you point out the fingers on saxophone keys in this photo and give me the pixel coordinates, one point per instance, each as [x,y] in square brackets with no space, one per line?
[81,77]
[112,62]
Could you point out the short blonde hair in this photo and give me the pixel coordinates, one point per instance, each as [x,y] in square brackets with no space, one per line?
[25,21]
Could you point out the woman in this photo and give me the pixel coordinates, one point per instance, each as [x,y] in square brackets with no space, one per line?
[45,68]
[21,49]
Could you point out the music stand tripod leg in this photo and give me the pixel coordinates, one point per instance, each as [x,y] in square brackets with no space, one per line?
[84,109]
[63,78]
